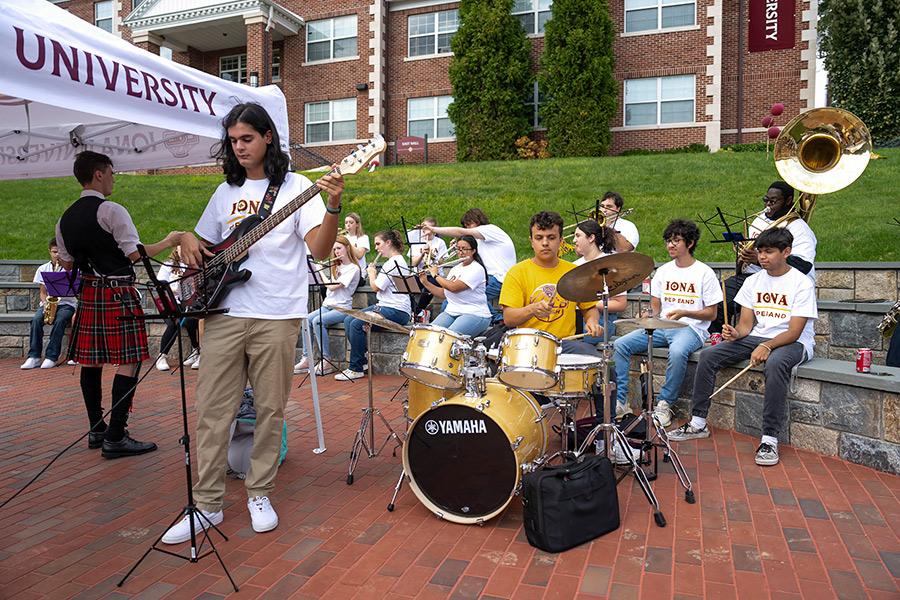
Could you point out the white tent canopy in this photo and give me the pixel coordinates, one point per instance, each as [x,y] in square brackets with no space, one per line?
[67,86]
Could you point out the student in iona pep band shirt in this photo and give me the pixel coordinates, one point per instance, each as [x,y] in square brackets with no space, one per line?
[686,290]
[778,308]
[256,339]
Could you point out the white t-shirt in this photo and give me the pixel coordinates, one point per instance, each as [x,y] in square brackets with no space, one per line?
[438,246]
[775,300]
[628,230]
[165,274]
[496,250]
[342,296]
[387,294]
[48,267]
[689,288]
[277,288]
[360,241]
[471,301]
[804,245]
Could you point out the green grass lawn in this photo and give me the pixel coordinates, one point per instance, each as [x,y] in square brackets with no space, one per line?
[853,224]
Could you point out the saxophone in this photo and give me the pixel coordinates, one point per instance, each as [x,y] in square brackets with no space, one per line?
[50,306]
[889,321]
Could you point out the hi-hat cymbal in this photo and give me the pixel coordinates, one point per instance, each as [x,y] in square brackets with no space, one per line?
[653,323]
[374,318]
[623,271]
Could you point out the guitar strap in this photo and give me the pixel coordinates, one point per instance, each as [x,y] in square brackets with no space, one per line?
[265,207]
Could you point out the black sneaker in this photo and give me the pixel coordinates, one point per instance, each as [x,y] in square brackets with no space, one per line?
[95,439]
[126,447]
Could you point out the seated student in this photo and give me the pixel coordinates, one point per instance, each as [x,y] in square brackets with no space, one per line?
[778,307]
[467,309]
[390,305]
[173,269]
[65,310]
[592,242]
[344,274]
[428,249]
[358,238]
[611,205]
[683,289]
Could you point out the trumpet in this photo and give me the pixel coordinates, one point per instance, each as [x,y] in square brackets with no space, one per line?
[601,218]
[50,307]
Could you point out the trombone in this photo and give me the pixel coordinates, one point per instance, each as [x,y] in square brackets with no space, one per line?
[600,218]
[568,245]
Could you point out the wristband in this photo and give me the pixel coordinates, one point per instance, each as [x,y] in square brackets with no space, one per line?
[334,211]
[766,347]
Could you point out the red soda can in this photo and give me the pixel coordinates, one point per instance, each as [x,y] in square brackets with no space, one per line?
[864,360]
[715,338]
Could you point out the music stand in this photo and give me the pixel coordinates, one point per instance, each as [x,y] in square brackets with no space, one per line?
[169,309]
[318,282]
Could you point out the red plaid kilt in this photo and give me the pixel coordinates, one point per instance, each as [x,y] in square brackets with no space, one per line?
[99,336]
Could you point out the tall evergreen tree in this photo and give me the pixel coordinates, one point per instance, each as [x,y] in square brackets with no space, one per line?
[861,42]
[577,78]
[491,76]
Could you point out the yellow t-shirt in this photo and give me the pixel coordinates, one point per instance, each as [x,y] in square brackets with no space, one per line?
[526,283]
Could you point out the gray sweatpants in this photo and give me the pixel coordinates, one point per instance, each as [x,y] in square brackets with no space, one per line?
[777,371]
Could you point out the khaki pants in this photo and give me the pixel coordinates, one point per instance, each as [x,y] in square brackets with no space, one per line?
[235,350]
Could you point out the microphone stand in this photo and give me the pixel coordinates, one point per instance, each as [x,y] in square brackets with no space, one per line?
[169,309]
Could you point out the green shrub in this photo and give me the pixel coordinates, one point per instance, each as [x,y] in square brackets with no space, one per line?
[748,147]
[689,149]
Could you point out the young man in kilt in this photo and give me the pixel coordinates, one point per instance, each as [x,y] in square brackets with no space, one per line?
[98,237]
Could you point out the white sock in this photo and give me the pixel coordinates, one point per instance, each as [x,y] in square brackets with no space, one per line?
[772,441]
[698,422]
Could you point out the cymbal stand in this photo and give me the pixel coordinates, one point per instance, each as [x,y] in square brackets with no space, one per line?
[659,438]
[367,424]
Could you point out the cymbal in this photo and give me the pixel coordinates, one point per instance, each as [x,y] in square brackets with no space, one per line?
[653,323]
[374,318]
[623,271]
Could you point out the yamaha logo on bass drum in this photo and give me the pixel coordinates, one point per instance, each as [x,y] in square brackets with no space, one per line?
[455,426]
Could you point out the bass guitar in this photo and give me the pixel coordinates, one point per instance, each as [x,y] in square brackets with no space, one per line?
[204,288]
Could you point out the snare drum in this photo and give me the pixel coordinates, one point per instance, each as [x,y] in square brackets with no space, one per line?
[528,359]
[577,374]
[430,357]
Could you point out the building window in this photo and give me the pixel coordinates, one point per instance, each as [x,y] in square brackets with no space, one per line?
[428,116]
[649,15]
[431,33]
[533,14]
[233,68]
[331,38]
[533,104]
[331,121]
[659,100]
[276,64]
[165,52]
[103,15]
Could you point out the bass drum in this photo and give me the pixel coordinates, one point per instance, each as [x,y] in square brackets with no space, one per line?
[421,397]
[464,456]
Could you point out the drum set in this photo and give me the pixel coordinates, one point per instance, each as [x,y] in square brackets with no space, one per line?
[478,421]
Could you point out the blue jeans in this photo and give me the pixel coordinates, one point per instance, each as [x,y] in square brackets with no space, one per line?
[463,324]
[323,317]
[594,340]
[492,292]
[64,314]
[356,335]
[681,343]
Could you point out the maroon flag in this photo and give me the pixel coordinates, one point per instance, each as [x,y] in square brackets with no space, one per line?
[772,25]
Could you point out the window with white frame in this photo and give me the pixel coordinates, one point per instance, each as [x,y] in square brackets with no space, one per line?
[428,116]
[533,14]
[533,104]
[649,15]
[331,120]
[659,100]
[430,33]
[165,52]
[233,68]
[276,64]
[331,38]
[103,15]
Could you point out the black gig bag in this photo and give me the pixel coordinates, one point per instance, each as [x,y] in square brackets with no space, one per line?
[570,504]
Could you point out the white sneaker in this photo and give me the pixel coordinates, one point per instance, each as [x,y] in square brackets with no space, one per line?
[48,364]
[193,357]
[325,369]
[619,456]
[181,531]
[71,363]
[31,363]
[302,366]
[196,364]
[262,515]
[162,364]
[662,413]
[767,455]
[348,375]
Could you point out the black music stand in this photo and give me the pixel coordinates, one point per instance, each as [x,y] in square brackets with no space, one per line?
[318,283]
[169,309]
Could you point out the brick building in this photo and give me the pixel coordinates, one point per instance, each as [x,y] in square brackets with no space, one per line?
[352,68]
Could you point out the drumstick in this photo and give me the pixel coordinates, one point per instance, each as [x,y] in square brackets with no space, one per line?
[575,337]
[724,302]
[730,381]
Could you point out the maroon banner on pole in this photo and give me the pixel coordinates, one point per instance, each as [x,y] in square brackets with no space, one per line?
[772,25]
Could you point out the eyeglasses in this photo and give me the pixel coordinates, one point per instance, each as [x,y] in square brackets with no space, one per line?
[767,201]
[674,241]
[464,249]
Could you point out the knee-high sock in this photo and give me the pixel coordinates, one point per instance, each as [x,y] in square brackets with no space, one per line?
[122,394]
[92,390]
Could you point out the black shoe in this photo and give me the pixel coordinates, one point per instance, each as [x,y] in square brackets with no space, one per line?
[126,447]
[95,439]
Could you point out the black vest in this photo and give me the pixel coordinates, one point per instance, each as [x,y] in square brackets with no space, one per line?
[94,249]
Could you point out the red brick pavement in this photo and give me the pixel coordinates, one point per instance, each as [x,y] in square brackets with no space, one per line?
[811,527]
